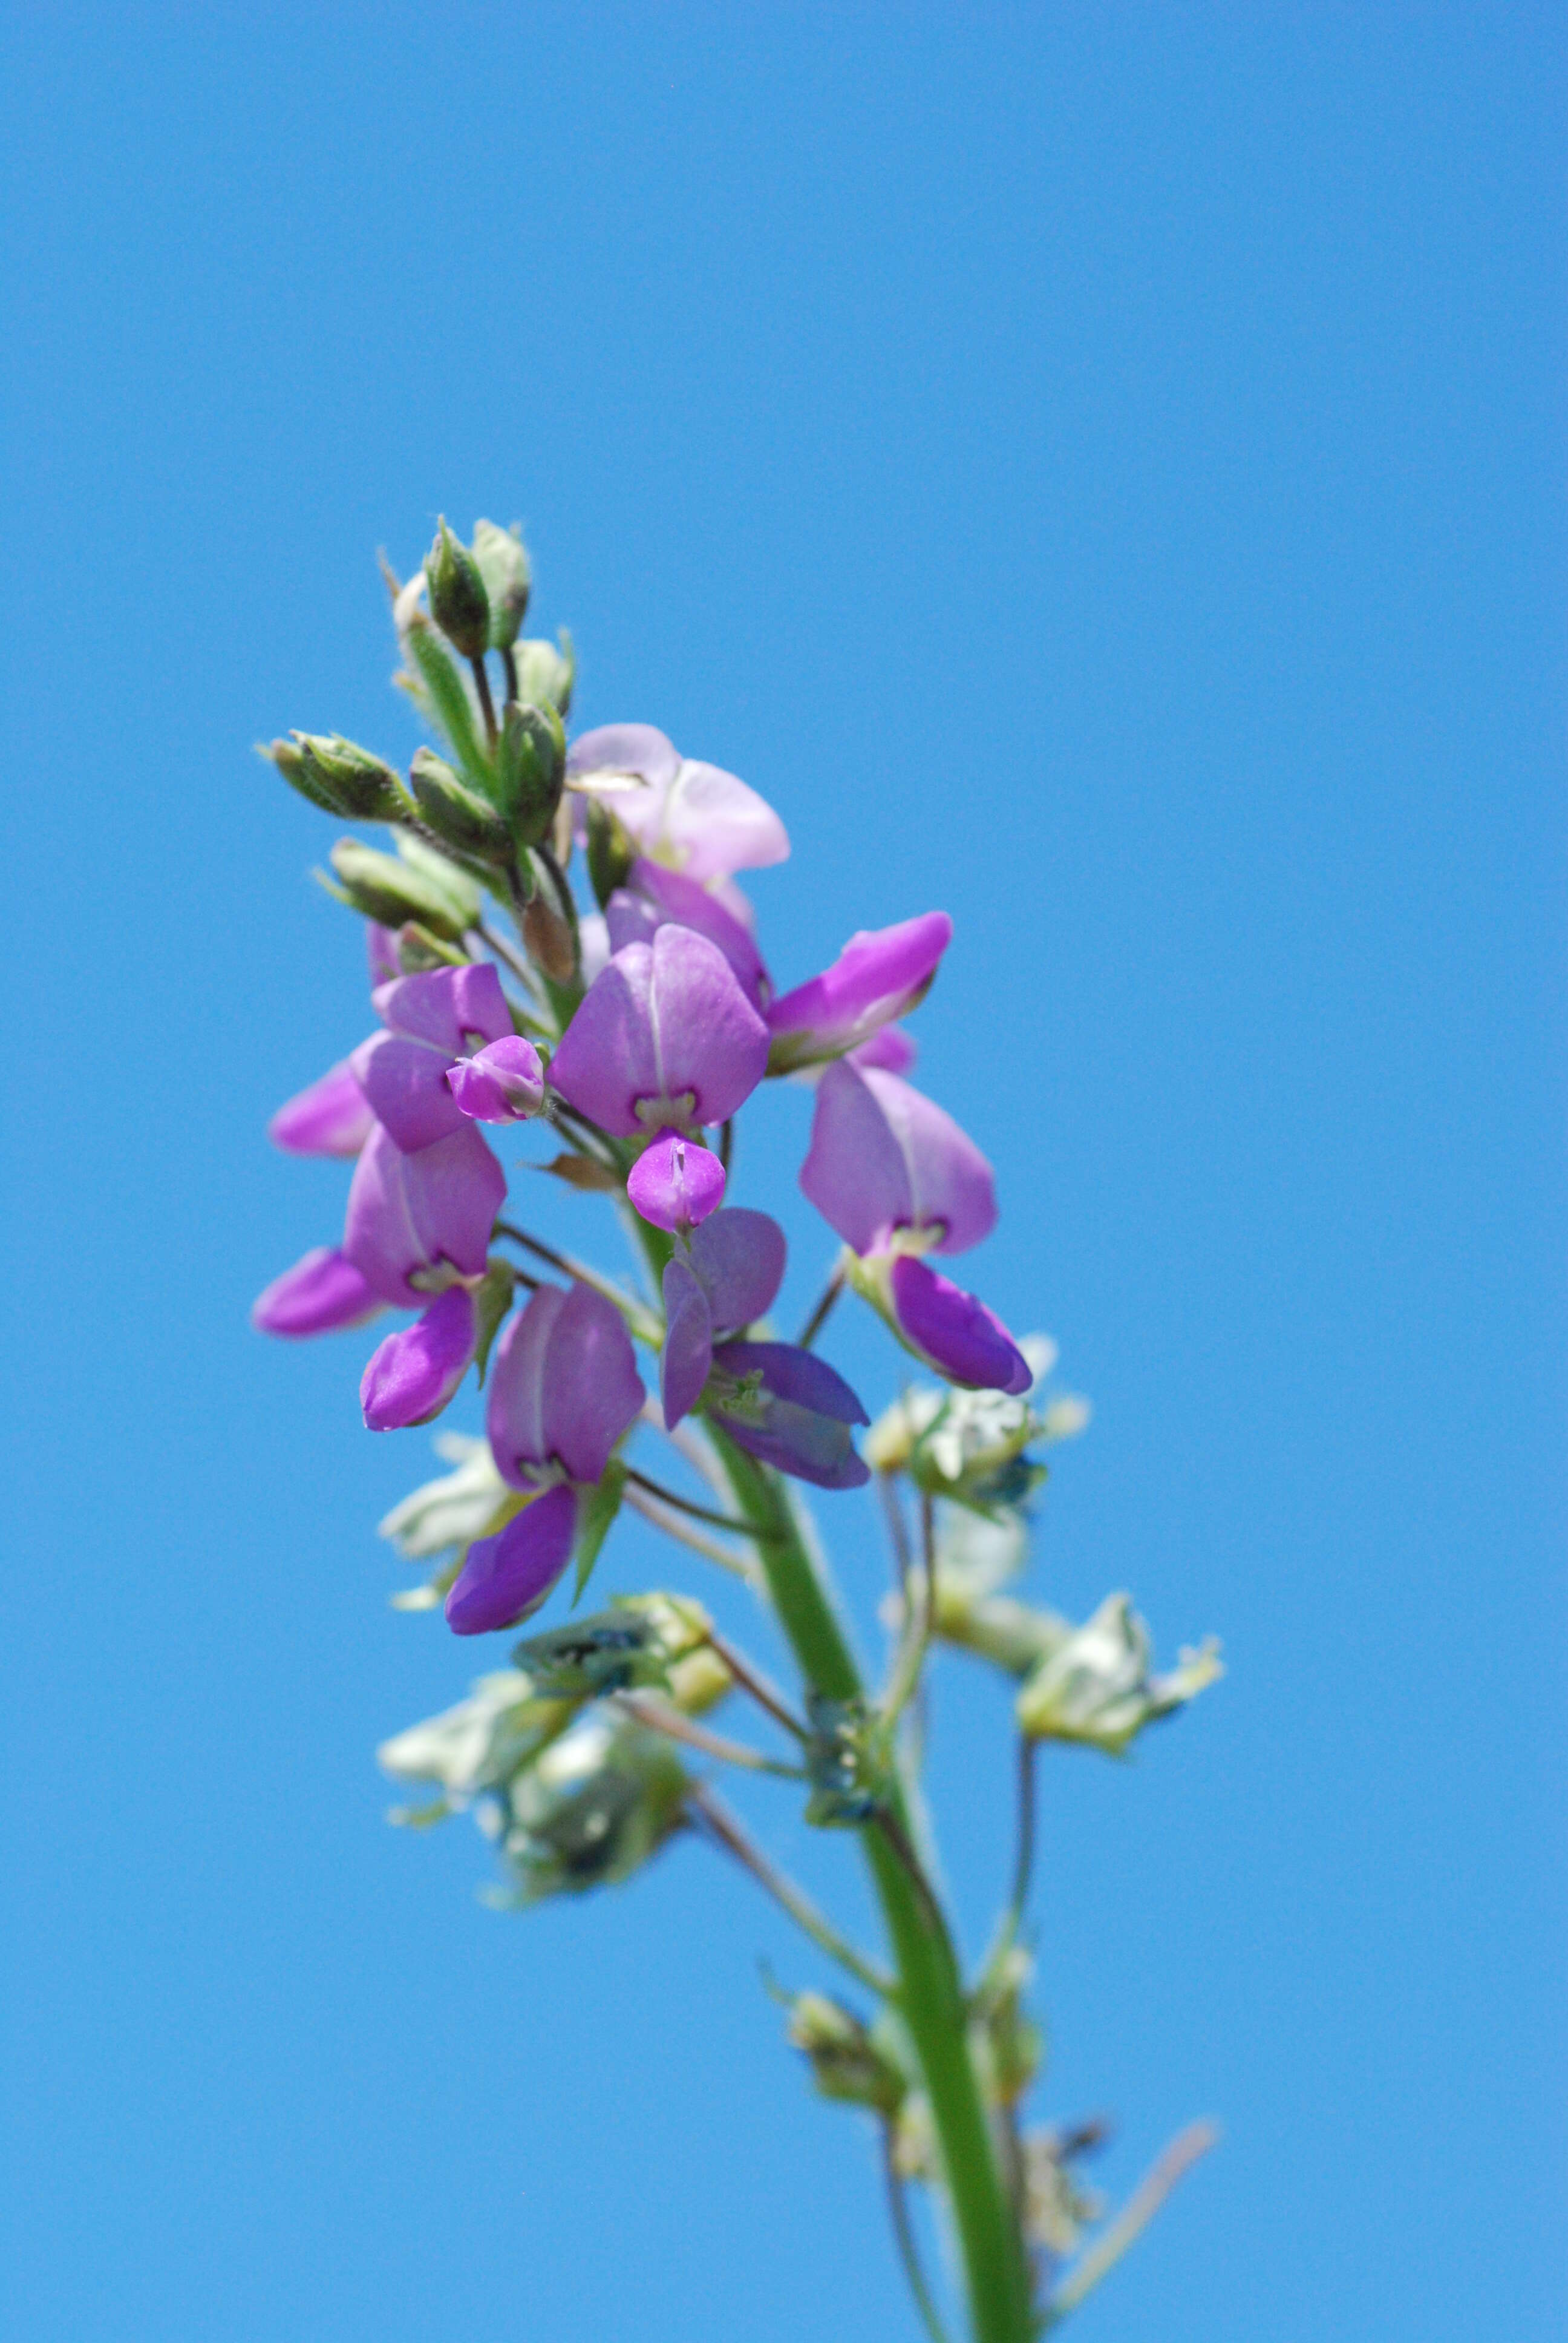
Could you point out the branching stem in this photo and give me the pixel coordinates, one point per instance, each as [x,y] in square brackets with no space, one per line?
[731,1834]
[819,1316]
[904,2238]
[650,1710]
[1168,2168]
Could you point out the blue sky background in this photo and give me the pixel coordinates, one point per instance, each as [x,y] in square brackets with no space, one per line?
[1096,469]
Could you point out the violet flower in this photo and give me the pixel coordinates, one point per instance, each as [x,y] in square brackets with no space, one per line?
[693,818]
[653,897]
[675,1183]
[417,1224]
[413,1372]
[726,1276]
[789,1409]
[664,1039]
[318,1295]
[950,1330]
[880,974]
[564,1388]
[332,1117]
[436,1023]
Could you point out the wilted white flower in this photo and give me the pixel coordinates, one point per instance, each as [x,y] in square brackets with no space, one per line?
[1096,1687]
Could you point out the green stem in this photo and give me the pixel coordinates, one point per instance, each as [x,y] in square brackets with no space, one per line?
[929,1992]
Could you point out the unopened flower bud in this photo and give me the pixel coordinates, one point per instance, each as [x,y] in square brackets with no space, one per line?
[545,673]
[530,768]
[455,812]
[291,762]
[502,561]
[610,852]
[549,941]
[458,602]
[845,2060]
[340,778]
[389,890]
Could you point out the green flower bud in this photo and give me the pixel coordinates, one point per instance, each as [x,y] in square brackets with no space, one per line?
[341,778]
[388,888]
[610,852]
[1096,1687]
[545,673]
[846,2062]
[502,561]
[299,773]
[456,813]
[458,602]
[530,768]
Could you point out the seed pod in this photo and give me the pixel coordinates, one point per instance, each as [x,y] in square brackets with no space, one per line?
[550,941]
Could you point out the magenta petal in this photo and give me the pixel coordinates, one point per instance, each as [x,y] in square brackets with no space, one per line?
[333,1116]
[446,1007]
[740,1257]
[688,1352]
[593,1392]
[406,1084]
[408,1212]
[796,1376]
[381,949]
[502,1082]
[515,1416]
[606,1061]
[807,1413]
[505,1577]
[891,1049]
[675,1183]
[631,919]
[666,1021]
[961,1338]
[654,895]
[414,1373]
[879,975]
[317,1296]
[884,1156]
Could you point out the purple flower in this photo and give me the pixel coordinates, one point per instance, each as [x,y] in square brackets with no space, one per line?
[726,1276]
[332,1117]
[675,1183]
[422,1216]
[416,1371]
[433,1022]
[502,1082]
[884,1157]
[653,897]
[505,1577]
[317,1296]
[892,1049]
[691,817]
[879,975]
[563,1389]
[789,1409]
[664,1039]
[381,951]
[952,1331]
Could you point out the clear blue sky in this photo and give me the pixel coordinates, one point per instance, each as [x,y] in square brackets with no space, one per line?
[1097,470]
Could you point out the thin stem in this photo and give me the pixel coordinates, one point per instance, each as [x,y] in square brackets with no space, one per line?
[904,2237]
[650,1710]
[503,951]
[730,1833]
[564,895]
[1168,2168]
[1012,1921]
[727,1143]
[730,1521]
[751,1678]
[509,669]
[632,1310]
[897,1532]
[741,1565]
[915,1639]
[486,705]
[819,1318]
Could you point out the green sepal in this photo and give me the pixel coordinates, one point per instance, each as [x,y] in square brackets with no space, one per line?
[444,871]
[610,852]
[530,768]
[418,951]
[381,888]
[458,602]
[502,559]
[455,813]
[596,1511]
[543,672]
[449,705]
[358,785]
[492,1299]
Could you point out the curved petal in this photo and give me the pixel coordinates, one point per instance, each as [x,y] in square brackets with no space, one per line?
[606,1061]
[956,1334]
[406,1084]
[515,1414]
[667,1021]
[798,1440]
[407,1213]
[592,1390]
[502,1082]
[879,975]
[630,750]
[950,1181]
[653,895]
[675,1183]
[414,1373]
[740,1257]
[796,1376]
[381,951]
[505,1577]
[332,1117]
[688,1352]
[442,1005]
[855,1173]
[712,824]
[890,1047]
[319,1295]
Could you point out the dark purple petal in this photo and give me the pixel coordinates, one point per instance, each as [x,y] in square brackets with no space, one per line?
[333,1116]
[879,975]
[416,1371]
[740,1257]
[506,1576]
[891,1049]
[883,1156]
[445,1006]
[317,1296]
[502,1082]
[688,1352]
[593,1392]
[960,1337]
[665,1023]
[793,1374]
[408,1212]
[675,1183]
[406,1084]
[795,1440]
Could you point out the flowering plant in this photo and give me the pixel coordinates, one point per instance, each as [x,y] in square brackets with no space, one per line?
[628,1037]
